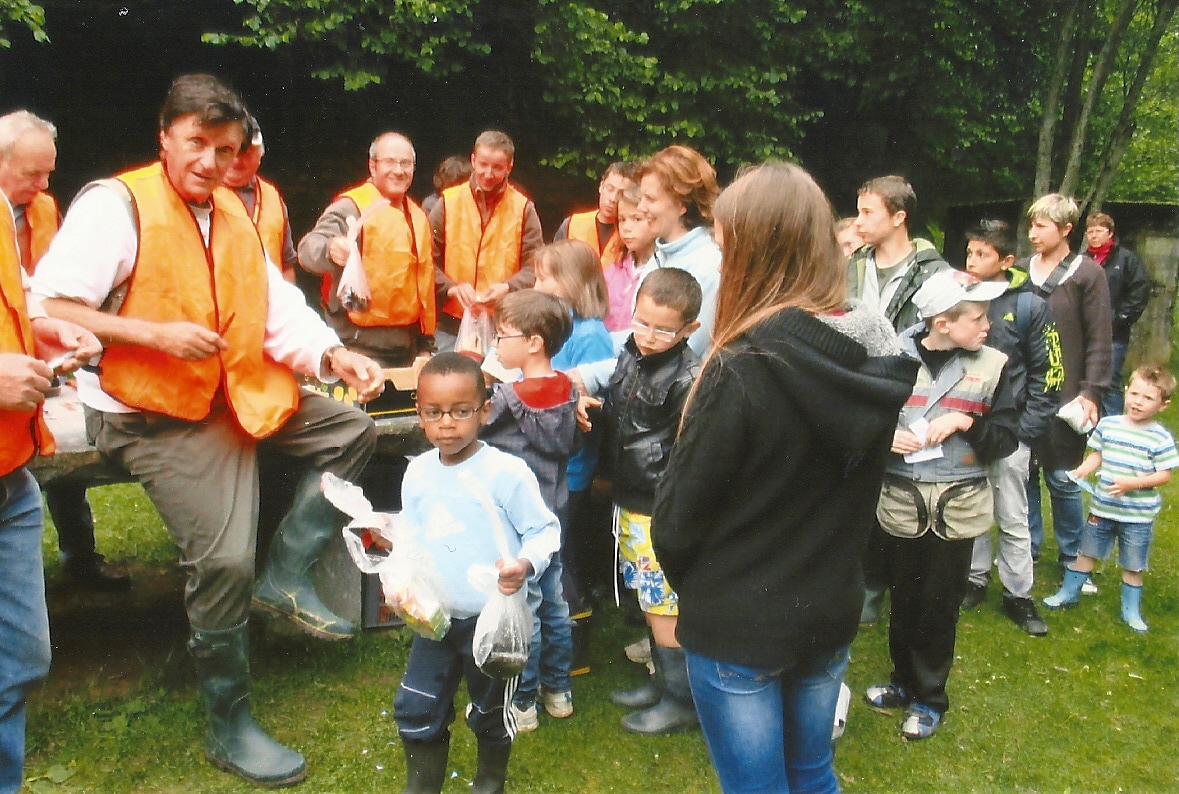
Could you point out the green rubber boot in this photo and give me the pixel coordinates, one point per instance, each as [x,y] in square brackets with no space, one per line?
[234,741]
[284,588]
[491,768]
[425,766]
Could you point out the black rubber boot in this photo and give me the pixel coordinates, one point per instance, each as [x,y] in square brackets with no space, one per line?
[582,626]
[491,768]
[425,766]
[675,710]
[234,741]
[284,588]
[647,695]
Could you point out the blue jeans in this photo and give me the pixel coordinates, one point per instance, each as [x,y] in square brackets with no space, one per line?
[1114,401]
[769,731]
[1068,514]
[551,657]
[24,622]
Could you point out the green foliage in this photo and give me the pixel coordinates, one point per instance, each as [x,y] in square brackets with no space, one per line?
[22,12]
[358,42]
[1150,169]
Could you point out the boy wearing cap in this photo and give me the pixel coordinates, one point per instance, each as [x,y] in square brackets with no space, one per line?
[935,499]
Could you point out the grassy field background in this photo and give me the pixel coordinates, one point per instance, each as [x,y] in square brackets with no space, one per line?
[1092,707]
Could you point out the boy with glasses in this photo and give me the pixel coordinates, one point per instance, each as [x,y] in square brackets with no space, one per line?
[443,495]
[643,404]
[535,419]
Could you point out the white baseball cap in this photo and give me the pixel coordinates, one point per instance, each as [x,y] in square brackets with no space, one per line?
[947,288]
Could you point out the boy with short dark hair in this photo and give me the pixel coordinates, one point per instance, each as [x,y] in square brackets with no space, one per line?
[443,495]
[935,498]
[1133,455]
[535,418]
[1021,328]
[645,400]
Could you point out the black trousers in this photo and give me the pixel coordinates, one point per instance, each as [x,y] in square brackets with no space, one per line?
[928,580]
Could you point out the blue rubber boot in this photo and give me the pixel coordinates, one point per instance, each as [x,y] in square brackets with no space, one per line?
[1132,607]
[1069,594]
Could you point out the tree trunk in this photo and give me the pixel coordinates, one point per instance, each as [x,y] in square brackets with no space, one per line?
[1101,70]
[1052,101]
[1124,129]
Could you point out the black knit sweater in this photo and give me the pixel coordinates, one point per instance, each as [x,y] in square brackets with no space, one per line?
[763,513]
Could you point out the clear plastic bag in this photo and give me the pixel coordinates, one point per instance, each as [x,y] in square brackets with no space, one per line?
[409,581]
[503,632]
[476,333]
[353,291]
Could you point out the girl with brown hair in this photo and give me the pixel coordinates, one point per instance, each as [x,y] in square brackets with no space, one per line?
[764,509]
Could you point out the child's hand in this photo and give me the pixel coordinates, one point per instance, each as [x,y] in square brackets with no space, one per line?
[1120,486]
[584,403]
[513,574]
[904,442]
[947,425]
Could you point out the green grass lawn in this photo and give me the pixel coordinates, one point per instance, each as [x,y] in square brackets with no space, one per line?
[1092,707]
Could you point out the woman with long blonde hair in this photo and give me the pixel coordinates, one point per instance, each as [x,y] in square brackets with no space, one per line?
[763,512]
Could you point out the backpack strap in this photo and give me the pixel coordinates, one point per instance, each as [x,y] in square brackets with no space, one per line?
[1057,275]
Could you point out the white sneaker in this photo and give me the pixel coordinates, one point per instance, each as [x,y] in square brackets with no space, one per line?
[526,720]
[557,704]
[639,651]
[1089,587]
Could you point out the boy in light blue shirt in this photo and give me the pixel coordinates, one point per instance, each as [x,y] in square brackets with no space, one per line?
[443,495]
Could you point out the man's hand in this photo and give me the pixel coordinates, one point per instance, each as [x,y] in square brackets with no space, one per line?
[492,295]
[338,251]
[905,442]
[359,372]
[187,341]
[513,574]
[463,293]
[59,339]
[24,382]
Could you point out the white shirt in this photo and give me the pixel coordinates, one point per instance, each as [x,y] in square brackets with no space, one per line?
[94,251]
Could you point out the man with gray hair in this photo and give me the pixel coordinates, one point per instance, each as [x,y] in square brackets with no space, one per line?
[263,201]
[28,340]
[393,241]
[28,156]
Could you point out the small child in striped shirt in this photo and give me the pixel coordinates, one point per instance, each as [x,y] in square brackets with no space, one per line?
[1133,454]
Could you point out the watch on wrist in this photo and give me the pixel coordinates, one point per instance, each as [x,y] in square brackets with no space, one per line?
[329,355]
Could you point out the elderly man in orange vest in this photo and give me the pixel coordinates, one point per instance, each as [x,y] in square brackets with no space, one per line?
[203,340]
[28,155]
[395,252]
[33,348]
[599,228]
[485,232]
[263,203]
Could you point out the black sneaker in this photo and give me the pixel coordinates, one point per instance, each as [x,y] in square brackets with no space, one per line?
[93,573]
[1022,612]
[975,595]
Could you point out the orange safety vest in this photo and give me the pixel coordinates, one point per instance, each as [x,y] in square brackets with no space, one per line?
[398,255]
[269,217]
[223,288]
[584,226]
[482,256]
[22,433]
[41,221]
